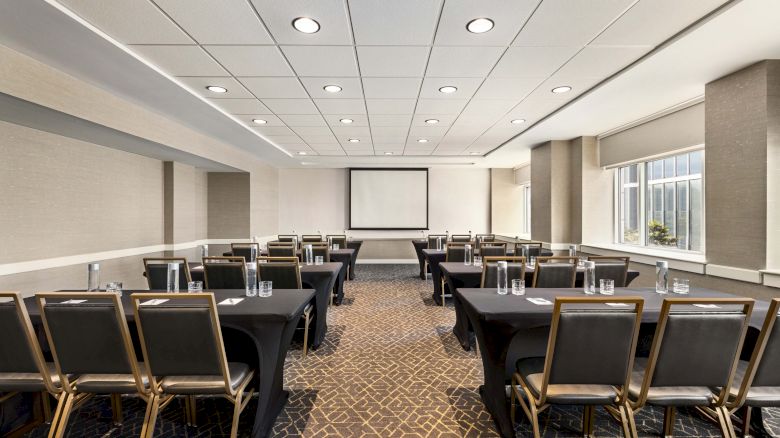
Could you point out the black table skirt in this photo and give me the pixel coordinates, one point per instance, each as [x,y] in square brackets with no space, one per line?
[509,327]
[256,330]
[355,245]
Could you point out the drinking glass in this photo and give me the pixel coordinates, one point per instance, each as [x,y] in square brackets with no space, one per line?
[589,279]
[572,250]
[173,278]
[581,262]
[502,278]
[477,261]
[606,286]
[336,247]
[266,289]
[438,243]
[93,277]
[532,261]
[195,286]
[518,287]
[318,260]
[681,286]
[114,286]
[204,251]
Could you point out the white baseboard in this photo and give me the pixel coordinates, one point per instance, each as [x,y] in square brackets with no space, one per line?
[741,274]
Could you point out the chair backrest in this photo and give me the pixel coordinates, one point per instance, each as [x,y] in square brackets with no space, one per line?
[534,249]
[157,272]
[269,259]
[338,239]
[486,237]
[89,337]
[611,268]
[319,249]
[181,337]
[456,252]
[311,238]
[20,351]
[515,270]
[590,346]
[285,274]
[462,238]
[245,250]
[555,272]
[432,238]
[288,238]
[764,366]
[286,250]
[224,272]
[490,249]
[697,347]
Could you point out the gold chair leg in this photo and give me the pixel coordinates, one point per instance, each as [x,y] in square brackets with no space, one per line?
[627,421]
[669,421]
[306,334]
[746,413]
[236,414]
[46,406]
[587,421]
[187,410]
[57,413]
[193,411]
[513,402]
[724,420]
[150,418]
[534,417]
[58,431]
[116,408]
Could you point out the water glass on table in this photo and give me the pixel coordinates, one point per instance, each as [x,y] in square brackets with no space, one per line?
[518,287]
[606,286]
[318,260]
[681,286]
[195,286]
[532,261]
[265,289]
[114,286]
[478,261]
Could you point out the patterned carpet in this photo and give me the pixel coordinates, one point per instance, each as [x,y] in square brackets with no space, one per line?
[390,367]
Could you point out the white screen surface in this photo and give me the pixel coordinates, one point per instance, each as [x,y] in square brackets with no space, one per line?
[388,199]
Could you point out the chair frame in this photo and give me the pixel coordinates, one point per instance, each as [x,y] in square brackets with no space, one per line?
[571,260]
[535,405]
[235,245]
[309,238]
[459,236]
[159,398]
[434,236]
[307,312]
[624,259]
[279,237]
[215,260]
[718,407]
[317,245]
[493,259]
[492,237]
[71,398]
[181,260]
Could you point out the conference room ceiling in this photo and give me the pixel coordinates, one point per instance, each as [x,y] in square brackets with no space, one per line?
[390,58]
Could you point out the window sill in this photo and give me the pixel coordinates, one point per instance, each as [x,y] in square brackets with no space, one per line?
[690,262]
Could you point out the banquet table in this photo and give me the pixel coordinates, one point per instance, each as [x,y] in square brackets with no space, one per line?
[510,327]
[321,278]
[460,275]
[353,245]
[266,327]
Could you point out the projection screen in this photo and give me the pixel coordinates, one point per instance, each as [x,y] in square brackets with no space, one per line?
[388,199]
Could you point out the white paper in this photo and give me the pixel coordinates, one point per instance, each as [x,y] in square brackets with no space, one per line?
[154,302]
[230,302]
[707,306]
[74,302]
[617,304]
[540,301]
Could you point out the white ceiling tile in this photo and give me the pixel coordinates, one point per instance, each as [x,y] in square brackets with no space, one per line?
[507,88]
[198,84]
[320,139]
[389,131]
[600,62]
[444,119]
[341,106]
[440,106]
[319,61]
[390,106]
[357,119]
[569,23]
[285,139]
[394,23]
[508,17]
[270,120]
[579,85]
[389,146]
[456,62]
[181,60]
[361,132]
[389,139]
[330,14]
[532,61]
[129,21]
[217,21]
[466,87]
[331,152]
[280,88]
[274,130]
[350,88]
[291,106]
[312,130]
[426,131]
[251,60]
[650,22]
[392,62]
[296,120]
[241,106]
[391,88]
[390,119]
[486,109]
[412,142]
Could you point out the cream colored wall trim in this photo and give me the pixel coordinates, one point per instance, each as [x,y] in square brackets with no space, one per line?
[771,278]
[747,275]
[679,261]
[57,262]
[387,261]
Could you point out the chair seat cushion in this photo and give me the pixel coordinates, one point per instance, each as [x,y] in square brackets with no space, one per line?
[28,382]
[206,384]
[668,395]
[532,372]
[763,396]
[111,383]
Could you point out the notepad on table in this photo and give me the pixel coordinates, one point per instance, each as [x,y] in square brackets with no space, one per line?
[617,304]
[154,302]
[230,301]
[540,301]
[74,302]
[707,306]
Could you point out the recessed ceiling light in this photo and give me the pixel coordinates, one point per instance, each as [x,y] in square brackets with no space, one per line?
[479,25]
[354,140]
[448,89]
[422,140]
[473,153]
[301,153]
[306,25]
[432,121]
[346,121]
[388,153]
[259,121]
[561,89]
[216,89]
[517,121]
[332,88]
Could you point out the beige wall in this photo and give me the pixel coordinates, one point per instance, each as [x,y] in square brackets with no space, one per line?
[229,205]
[541,192]
[506,203]
[551,192]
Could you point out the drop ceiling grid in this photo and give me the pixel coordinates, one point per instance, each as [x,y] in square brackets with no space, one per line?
[582,49]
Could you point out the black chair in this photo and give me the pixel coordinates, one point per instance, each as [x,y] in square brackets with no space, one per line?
[555,272]
[23,367]
[492,249]
[486,237]
[515,270]
[288,238]
[156,270]
[245,250]
[224,272]
[692,359]
[588,362]
[285,273]
[337,239]
[611,268]
[182,345]
[534,249]
[456,252]
[93,352]
[281,250]
[461,238]
[433,238]
[308,238]
[319,249]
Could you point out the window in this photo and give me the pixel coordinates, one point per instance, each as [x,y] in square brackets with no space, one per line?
[527,210]
[671,212]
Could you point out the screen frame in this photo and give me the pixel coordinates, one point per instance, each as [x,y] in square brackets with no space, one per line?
[398,169]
